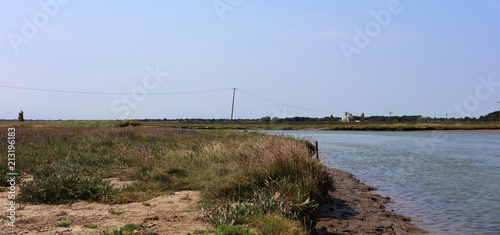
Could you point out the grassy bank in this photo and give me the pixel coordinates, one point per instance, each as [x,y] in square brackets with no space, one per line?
[251,179]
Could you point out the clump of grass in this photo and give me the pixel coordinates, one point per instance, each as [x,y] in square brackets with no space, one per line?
[245,213]
[278,224]
[239,230]
[21,206]
[275,164]
[65,189]
[63,224]
[146,204]
[127,229]
[90,225]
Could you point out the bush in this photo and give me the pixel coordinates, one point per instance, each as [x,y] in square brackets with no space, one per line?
[65,189]
[125,230]
[227,230]
[243,213]
[63,224]
[277,224]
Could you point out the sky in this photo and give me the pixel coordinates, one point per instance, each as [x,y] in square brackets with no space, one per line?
[67,59]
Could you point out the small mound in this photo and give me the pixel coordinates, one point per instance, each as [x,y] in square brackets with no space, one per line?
[130,123]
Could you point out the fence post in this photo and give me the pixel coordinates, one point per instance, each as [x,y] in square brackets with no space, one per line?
[317,150]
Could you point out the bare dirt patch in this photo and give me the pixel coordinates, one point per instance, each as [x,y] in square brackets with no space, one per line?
[170,214]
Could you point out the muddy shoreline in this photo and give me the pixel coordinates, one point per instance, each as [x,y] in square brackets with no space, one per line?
[353,209]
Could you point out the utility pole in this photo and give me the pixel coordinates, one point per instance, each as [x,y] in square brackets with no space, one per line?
[232,109]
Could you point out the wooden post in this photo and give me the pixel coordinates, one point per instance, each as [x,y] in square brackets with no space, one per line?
[317,150]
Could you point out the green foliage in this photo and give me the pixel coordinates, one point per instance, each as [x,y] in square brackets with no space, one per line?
[245,213]
[65,189]
[263,173]
[63,224]
[491,117]
[125,230]
[277,224]
[228,230]
[90,225]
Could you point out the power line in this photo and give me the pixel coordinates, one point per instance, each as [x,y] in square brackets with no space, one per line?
[163,93]
[110,93]
[293,106]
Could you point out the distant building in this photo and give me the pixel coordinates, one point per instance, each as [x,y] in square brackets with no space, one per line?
[347,117]
[20,117]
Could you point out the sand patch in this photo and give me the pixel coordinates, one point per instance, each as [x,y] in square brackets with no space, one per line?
[170,214]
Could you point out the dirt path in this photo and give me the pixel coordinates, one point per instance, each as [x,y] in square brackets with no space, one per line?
[353,209]
[172,214]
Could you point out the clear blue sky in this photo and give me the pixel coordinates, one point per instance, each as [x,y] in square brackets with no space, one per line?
[410,57]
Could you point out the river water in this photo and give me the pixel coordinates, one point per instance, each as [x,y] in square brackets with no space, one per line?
[449,182]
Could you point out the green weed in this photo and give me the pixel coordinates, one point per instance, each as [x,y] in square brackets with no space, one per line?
[63,224]
[125,230]
[90,225]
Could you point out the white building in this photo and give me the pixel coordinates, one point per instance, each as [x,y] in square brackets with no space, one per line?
[347,117]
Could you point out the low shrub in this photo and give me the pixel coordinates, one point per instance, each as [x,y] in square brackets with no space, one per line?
[227,230]
[63,224]
[65,189]
[277,224]
[244,213]
[125,230]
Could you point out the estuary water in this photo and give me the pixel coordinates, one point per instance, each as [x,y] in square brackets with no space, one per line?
[448,182]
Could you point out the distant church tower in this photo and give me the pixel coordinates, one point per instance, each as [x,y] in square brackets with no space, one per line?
[20,118]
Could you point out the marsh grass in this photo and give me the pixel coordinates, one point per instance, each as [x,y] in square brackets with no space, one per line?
[69,163]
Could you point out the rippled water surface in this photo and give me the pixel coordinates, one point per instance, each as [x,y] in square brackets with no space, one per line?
[449,181]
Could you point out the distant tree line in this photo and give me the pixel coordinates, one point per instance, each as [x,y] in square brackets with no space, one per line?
[492,117]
